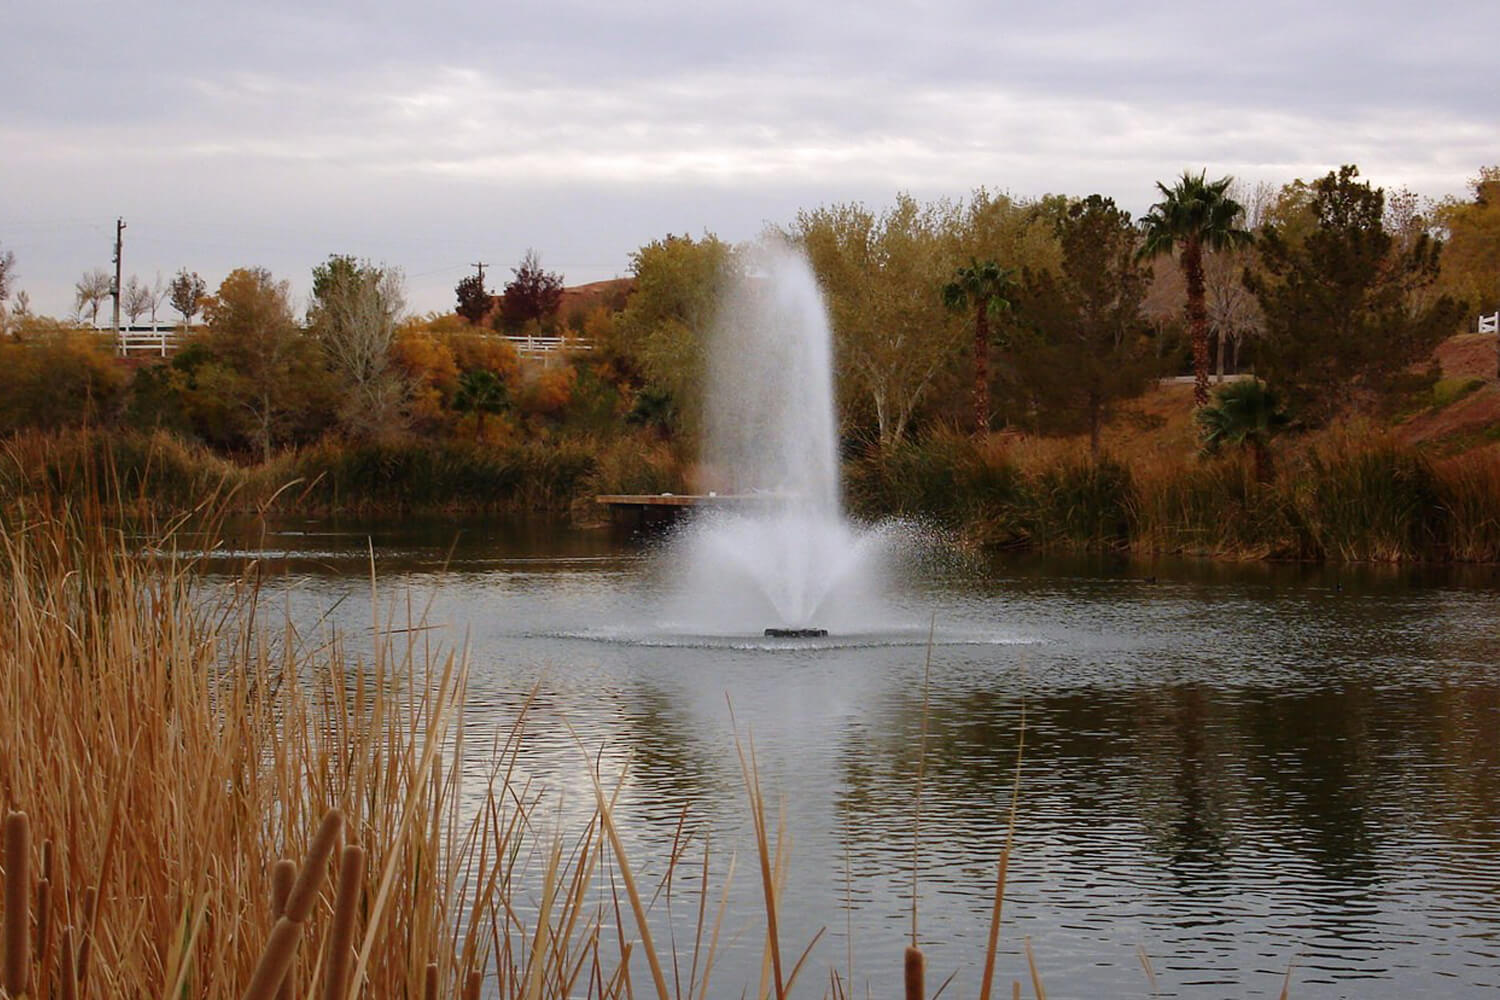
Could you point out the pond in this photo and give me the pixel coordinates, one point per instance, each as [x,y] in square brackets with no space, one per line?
[1235,768]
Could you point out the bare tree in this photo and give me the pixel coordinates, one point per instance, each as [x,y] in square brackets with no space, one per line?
[90,291]
[1233,312]
[158,296]
[136,299]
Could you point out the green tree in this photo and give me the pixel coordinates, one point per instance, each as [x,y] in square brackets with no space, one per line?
[355,310]
[985,287]
[892,335]
[186,295]
[1244,414]
[1340,308]
[479,391]
[1194,216]
[1092,345]
[1471,253]
[474,303]
[664,329]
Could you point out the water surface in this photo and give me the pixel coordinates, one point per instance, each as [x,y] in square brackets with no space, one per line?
[1237,768]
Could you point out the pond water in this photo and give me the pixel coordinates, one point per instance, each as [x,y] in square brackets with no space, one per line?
[1237,768]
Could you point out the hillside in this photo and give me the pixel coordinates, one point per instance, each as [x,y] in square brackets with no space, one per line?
[1463,413]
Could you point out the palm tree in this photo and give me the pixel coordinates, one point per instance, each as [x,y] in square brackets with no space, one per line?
[1194,215]
[480,391]
[983,286]
[1245,414]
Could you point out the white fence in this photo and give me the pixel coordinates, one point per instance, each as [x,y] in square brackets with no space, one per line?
[1490,323]
[546,348]
[162,340]
[156,340]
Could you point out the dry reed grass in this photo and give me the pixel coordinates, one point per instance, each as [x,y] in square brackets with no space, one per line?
[170,751]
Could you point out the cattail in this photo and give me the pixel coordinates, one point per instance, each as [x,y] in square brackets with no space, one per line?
[283,874]
[304,894]
[916,968]
[472,984]
[276,960]
[430,982]
[341,934]
[44,912]
[43,933]
[277,957]
[90,904]
[17,910]
[69,984]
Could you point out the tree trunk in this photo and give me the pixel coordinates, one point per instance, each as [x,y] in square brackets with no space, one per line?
[1197,314]
[982,368]
[1219,363]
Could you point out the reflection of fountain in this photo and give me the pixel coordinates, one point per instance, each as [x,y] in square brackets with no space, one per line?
[792,563]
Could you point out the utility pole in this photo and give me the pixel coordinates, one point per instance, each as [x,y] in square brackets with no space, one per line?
[480,266]
[114,289]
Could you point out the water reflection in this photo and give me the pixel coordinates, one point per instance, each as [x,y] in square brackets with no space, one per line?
[1228,765]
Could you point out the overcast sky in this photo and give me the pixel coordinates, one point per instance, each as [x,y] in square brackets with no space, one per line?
[431,135]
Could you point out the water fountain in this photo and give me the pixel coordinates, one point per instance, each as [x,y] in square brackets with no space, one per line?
[783,562]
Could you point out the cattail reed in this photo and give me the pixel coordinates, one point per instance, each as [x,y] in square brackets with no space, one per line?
[68,984]
[17,909]
[341,936]
[916,973]
[430,982]
[472,984]
[283,874]
[299,903]
[281,949]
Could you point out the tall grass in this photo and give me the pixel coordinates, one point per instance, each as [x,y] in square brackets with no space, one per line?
[1346,495]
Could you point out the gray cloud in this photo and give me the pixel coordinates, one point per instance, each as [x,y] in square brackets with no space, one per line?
[276,133]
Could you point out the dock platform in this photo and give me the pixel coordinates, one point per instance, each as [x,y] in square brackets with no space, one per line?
[649,509]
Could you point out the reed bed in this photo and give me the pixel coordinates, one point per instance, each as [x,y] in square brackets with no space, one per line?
[167,754]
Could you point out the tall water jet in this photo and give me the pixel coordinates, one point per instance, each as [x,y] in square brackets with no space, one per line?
[783,559]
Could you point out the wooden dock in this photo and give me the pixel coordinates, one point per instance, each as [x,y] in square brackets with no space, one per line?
[648,509]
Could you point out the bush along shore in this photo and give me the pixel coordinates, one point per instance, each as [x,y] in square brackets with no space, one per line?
[1342,496]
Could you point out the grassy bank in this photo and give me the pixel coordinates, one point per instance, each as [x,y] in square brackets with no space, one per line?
[1345,496]
[159,473]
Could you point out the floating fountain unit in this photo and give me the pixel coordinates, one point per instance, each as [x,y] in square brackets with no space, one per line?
[791,567]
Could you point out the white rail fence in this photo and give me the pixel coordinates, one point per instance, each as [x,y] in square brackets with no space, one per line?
[158,340]
[1490,323]
[162,340]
